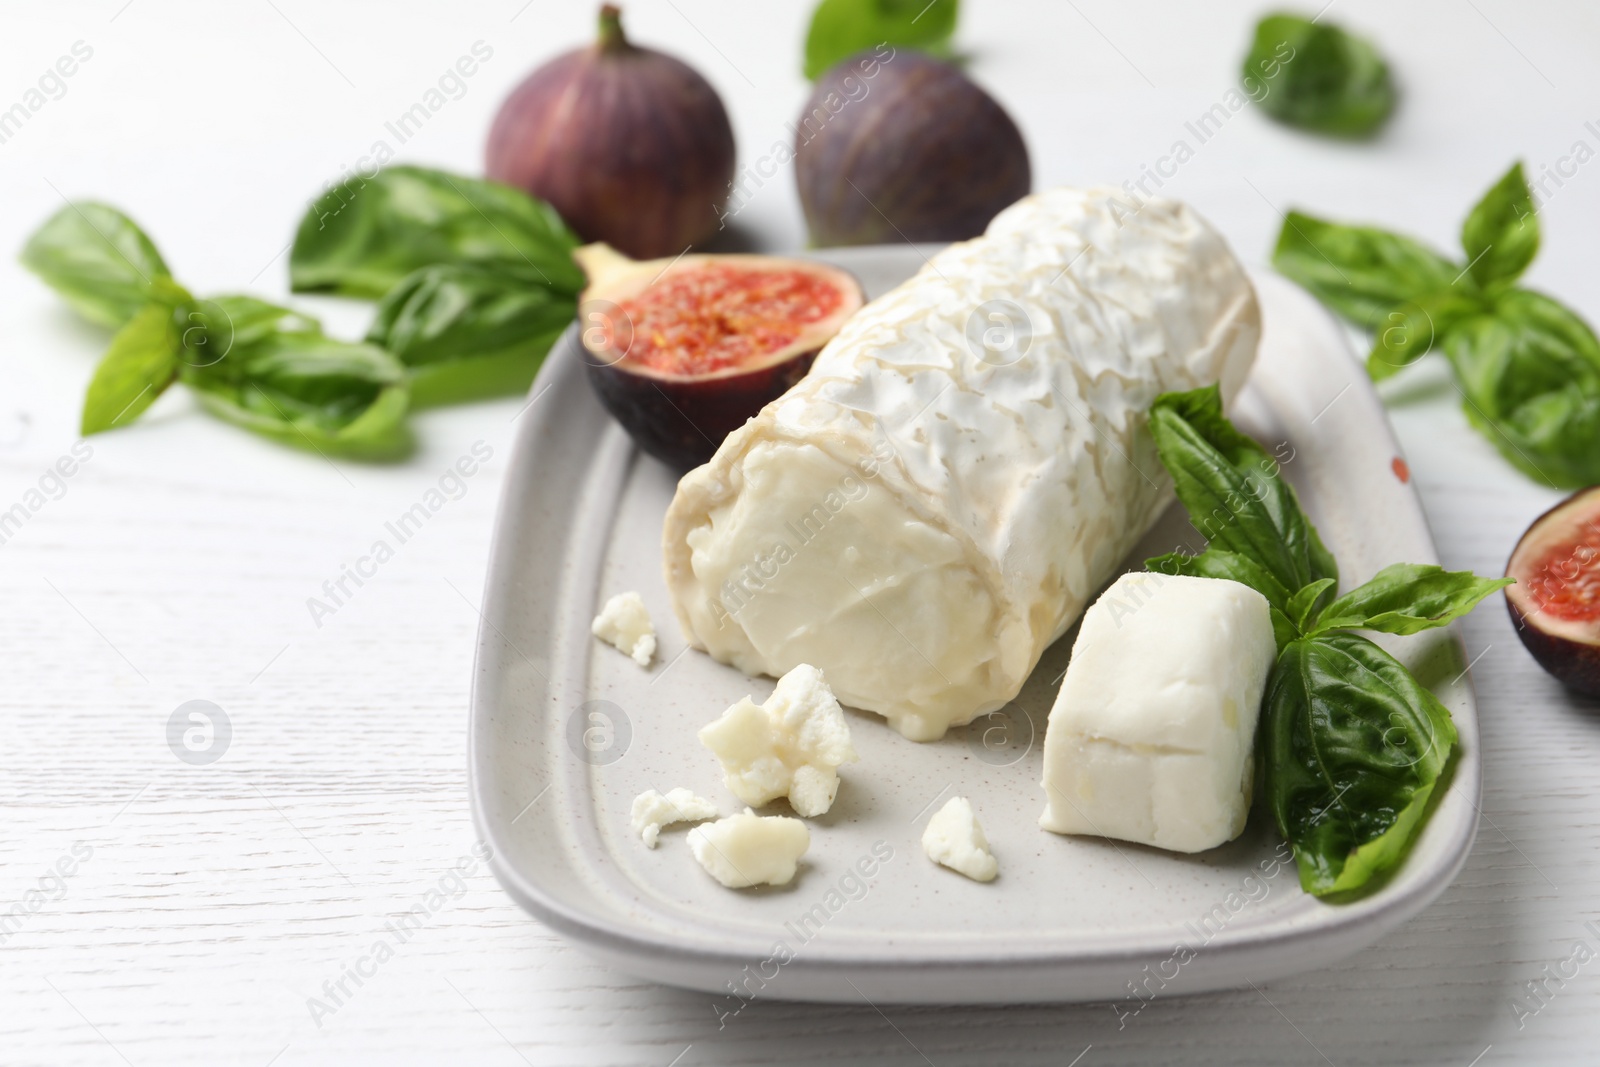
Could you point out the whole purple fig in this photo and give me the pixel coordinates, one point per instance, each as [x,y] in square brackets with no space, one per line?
[630,145]
[897,146]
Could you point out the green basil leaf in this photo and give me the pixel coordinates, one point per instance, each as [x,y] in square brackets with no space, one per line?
[1529,372]
[1233,491]
[1304,605]
[841,28]
[141,362]
[1501,235]
[1360,272]
[1405,598]
[1218,563]
[364,235]
[1354,746]
[98,260]
[1412,330]
[312,391]
[1316,76]
[470,331]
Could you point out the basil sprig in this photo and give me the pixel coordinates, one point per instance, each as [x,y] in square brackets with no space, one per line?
[476,279]
[1314,75]
[841,28]
[1352,744]
[264,367]
[1527,366]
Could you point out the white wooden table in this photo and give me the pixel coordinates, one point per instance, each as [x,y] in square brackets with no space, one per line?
[206,905]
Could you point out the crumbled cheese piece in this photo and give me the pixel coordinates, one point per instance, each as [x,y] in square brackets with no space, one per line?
[954,838]
[749,849]
[625,624]
[1152,734]
[790,746]
[652,811]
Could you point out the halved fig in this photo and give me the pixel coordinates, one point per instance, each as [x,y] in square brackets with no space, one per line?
[1556,601]
[681,352]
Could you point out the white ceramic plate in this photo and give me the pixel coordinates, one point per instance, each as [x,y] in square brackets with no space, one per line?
[566,731]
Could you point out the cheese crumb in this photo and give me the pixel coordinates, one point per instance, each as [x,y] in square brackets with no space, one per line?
[625,624]
[790,746]
[954,838]
[749,849]
[652,811]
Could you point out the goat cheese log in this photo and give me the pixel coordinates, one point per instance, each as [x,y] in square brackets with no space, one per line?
[966,463]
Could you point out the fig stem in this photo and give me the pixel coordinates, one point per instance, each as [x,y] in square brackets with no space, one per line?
[612,38]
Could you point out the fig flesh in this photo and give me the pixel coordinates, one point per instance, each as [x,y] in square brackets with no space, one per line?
[1556,601]
[682,351]
[904,148]
[630,145]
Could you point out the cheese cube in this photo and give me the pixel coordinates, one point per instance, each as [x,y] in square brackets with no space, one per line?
[1151,736]
[748,849]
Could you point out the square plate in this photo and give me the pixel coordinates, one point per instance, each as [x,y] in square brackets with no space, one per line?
[565,732]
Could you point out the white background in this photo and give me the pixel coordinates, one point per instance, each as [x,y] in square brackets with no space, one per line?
[178,563]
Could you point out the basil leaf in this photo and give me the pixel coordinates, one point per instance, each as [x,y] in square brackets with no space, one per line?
[364,235]
[1353,749]
[1501,235]
[1405,598]
[1412,330]
[98,260]
[1303,605]
[1529,371]
[468,331]
[1316,76]
[841,28]
[306,389]
[141,362]
[1218,563]
[1233,491]
[1359,271]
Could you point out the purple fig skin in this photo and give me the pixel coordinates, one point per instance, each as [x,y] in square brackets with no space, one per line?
[657,413]
[631,146]
[904,148]
[1574,663]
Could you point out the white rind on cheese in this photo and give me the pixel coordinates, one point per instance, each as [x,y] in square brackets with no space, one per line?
[954,839]
[1152,734]
[921,522]
[651,811]
[749,849]
[791,746]
[624,623]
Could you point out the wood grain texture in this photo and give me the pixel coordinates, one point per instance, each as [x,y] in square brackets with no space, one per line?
[216,900]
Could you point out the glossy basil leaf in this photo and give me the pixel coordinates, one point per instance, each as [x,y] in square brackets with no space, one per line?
[100,262]
[470,331]
[364,235]
[841,28]
[1360,272]
[1303,606]
[1406,598]
[1501,235]
[1353,747]
[1318,77]
[1529,371]
[1415,329]
[1233,491]
[1219,563]
[303,388]
[141,362]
